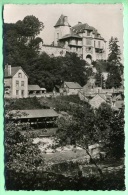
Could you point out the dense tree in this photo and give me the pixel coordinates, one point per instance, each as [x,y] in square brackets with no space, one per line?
[88,127]
[114,51]
[113,80]
[100,65]
[29,27]
[110,128]
[21,155]
[80,127]
[21,42]
[49,71]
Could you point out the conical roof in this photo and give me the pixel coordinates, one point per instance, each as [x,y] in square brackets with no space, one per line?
[62,21]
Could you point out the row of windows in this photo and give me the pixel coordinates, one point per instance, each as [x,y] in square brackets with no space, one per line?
[18,84]
[89,42]
[22,92]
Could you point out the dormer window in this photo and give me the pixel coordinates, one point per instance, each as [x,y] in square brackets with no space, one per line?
[88,33]
[19,75]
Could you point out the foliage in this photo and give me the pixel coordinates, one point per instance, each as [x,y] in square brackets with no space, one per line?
[29,27]
[24,165]
[116,136]
[20,41]
[21,155]
[49,71]
[52,181]
[78,127]
[71,98]
[114,80]
[88,127]
[110,128]
[114,51]
[100,82]
[23,104]
[100,65]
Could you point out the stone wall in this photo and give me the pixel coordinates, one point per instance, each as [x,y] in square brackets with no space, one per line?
[53,50]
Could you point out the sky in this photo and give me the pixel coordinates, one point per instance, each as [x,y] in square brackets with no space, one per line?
[106,18]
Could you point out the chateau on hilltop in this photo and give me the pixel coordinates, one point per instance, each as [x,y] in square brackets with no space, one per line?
[82,39]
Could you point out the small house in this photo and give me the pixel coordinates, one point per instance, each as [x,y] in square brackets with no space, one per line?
[97,100]
[15,82]
[71,88]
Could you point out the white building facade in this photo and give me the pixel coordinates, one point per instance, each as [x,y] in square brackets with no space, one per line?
[82,39]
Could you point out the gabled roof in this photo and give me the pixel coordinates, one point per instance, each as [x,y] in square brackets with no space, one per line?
[96,103]
[73,85]
[39,113]
[102,96]
[34,88]
[14,70]
[62,22]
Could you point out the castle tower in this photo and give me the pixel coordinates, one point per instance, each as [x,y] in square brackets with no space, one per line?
[62,28]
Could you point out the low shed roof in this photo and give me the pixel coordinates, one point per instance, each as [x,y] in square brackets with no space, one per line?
[34,88]
[39,113]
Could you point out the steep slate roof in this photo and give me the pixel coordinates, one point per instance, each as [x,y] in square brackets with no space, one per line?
[79,28]
[40,113]
[14,70]
[34,88]
[61,22]
[73,85]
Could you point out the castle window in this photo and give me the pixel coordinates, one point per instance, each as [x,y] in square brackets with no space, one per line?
[88,41]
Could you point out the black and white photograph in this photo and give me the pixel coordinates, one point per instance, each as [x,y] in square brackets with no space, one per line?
[63,97]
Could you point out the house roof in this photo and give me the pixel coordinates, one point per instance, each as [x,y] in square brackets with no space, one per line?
[61,22]
[119,104]
[102,96]
[94,102]
[71,36]
[14,70]
[34,88]
[73,85]
[79,28]
[40,113]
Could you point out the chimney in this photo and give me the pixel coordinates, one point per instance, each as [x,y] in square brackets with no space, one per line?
[65,20]
[9,70]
